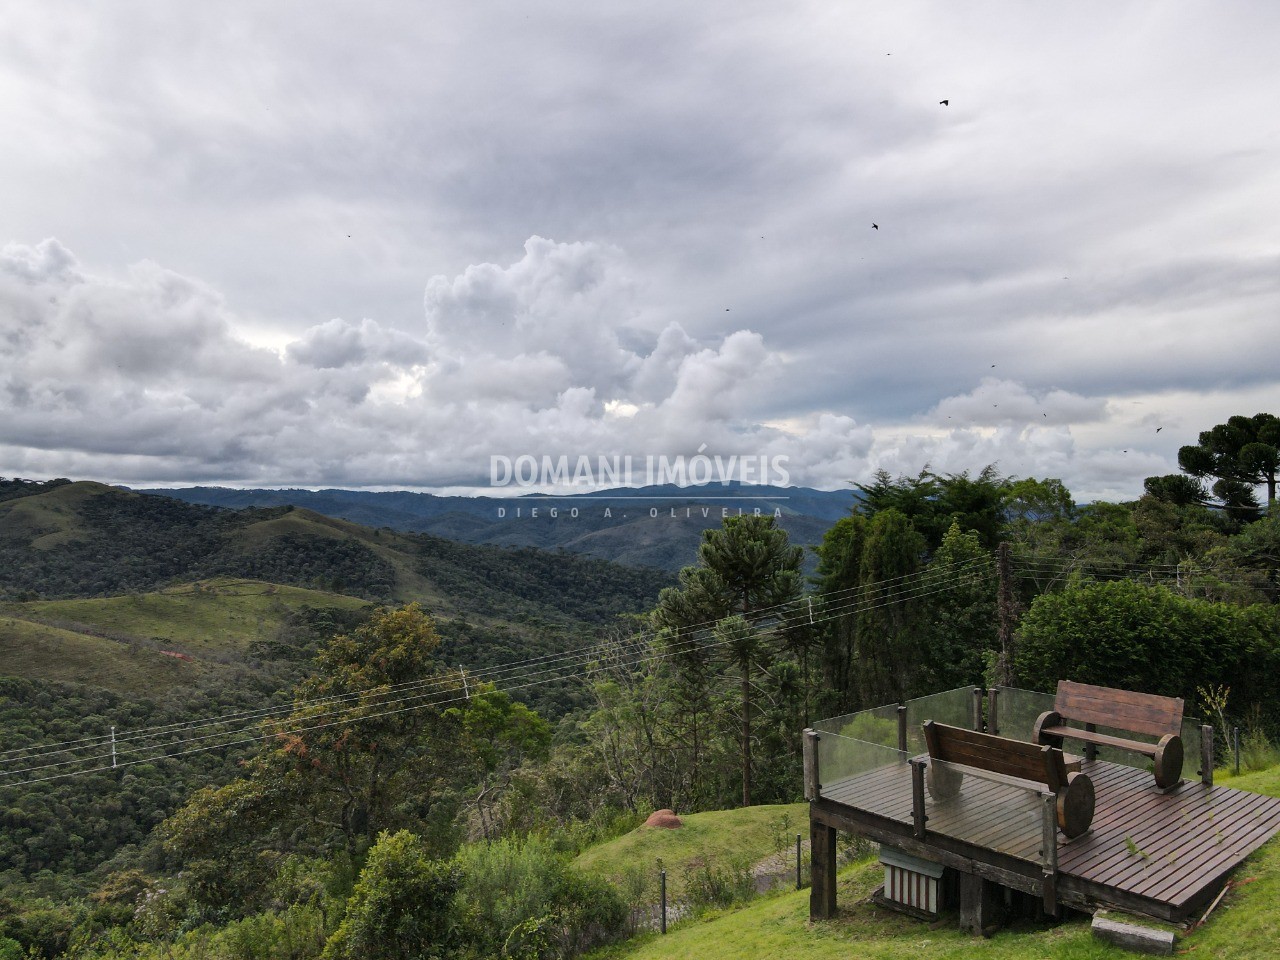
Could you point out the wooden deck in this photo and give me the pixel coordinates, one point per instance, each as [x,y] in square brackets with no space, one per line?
[1164,854]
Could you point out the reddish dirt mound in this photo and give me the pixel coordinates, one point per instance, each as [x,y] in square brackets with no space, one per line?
[663,819]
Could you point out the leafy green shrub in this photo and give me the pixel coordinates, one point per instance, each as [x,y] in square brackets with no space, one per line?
[43,929]
[1126,634]
[534,939]
[292,934]
[513,882]
[1257,752]
[710,885]
[404,905]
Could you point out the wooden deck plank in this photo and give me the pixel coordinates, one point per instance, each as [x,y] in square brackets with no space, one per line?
[1110,860]
[1174,834]
[1238,833]
[1193,835]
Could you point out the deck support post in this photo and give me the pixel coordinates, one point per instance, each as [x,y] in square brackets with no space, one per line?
[1206,755]
[993,712]
[812,785]
[902,728]
[979,905]
[1049,854]
[917,796]
[822,879]
[977,709]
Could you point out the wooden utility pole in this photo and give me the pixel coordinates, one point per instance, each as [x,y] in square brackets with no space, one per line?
[1006,611]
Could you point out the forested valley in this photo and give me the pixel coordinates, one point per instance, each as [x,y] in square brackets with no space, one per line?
[381,744]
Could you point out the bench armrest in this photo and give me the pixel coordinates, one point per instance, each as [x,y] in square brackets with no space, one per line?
[1050,718]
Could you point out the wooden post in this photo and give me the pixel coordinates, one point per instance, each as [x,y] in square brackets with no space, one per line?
[902,728]
[978,906]
[1049,853]
[993,712]
[662,881]
[1206,755]
[977,709]
[812,785]
[917,797]
[822,872]
[1091,749]
[799,882]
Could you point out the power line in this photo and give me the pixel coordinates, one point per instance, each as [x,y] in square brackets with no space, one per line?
[674,651]
[491,673]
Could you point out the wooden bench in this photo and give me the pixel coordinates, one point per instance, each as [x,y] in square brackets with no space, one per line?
[999,758]
[1142,713]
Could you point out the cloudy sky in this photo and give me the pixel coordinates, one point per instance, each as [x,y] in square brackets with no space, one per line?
[341,243]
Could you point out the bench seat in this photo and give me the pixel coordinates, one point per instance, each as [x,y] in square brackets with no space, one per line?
[1123,710]
[1025,765]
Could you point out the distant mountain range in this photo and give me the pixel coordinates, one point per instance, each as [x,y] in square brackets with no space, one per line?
[655,526]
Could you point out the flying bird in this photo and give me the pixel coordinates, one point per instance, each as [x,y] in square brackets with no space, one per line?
[945,103]
[875,226]
[1158,429]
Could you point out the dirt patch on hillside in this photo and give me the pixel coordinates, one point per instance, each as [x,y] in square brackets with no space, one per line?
[664,820]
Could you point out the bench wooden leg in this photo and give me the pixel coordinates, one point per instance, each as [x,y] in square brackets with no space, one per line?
[944,781]
[1168,761]
[1075,803]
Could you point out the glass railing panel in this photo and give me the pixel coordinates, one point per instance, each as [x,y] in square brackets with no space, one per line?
[851,770]
[1017,711]
[993,812]
[952,707]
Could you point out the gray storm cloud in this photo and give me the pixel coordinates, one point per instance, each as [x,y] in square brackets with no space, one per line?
[146,378]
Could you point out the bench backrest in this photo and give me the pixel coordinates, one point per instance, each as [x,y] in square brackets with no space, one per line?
[1123,709]
[1010,758]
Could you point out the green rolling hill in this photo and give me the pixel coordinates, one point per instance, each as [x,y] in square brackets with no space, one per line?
[106,587]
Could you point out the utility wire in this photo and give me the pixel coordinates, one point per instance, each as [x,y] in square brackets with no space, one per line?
[450,681]
[831,614]
[447,682]
[481,675]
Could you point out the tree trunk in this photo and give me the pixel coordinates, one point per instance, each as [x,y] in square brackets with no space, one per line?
[746,733]
[1007,612]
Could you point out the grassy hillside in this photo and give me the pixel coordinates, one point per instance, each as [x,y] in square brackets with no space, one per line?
[744,836]
[218,616]
[85,539]
[124,644]
[35,650]
[1244,926]
[50,518]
